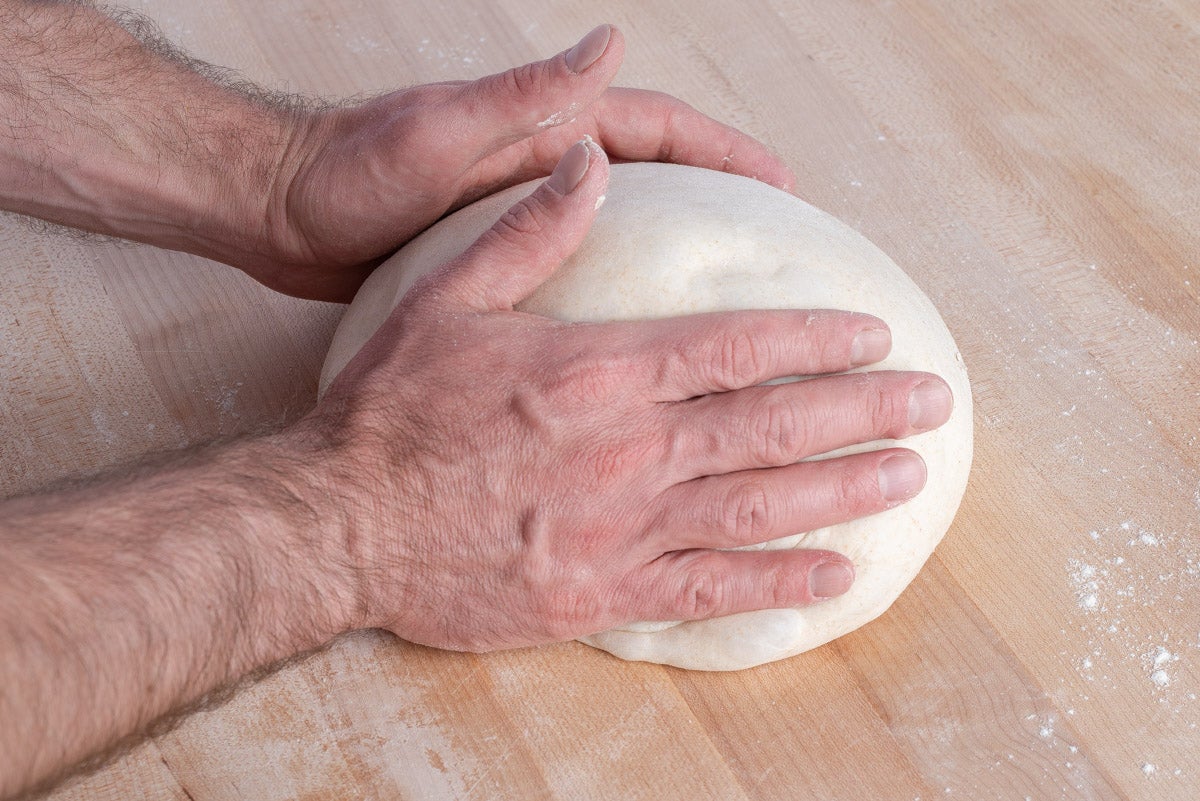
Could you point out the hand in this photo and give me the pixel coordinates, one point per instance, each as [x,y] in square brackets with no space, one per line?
[515,480]
[361,181]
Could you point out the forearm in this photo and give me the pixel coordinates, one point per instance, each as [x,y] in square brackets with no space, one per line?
[126,599]
[99,132]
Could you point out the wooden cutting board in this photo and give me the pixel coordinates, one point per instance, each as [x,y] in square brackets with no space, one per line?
[1032,165]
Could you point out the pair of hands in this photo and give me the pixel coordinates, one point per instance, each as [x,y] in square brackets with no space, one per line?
[477,478]
[506,479]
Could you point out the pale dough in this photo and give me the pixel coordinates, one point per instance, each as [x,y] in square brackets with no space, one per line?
[674,240]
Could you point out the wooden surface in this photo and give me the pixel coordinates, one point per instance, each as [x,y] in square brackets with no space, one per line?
[1032,165]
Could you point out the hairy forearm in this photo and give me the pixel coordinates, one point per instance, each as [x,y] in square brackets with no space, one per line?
[130,597]
[100,132]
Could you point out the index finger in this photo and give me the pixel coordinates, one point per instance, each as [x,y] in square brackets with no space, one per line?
[721,351]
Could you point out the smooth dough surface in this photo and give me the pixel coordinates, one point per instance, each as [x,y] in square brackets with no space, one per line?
[674,240]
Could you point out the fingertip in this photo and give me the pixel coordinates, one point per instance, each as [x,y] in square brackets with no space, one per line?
[571,168]
[870,345]
[599,157]
[751,158]
[930,404]
[902,474]
[616,41]
[831,578]
[589,49]
[574,165]
[783,177]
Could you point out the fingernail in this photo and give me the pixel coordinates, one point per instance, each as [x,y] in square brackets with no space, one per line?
[830,579]
[571,168]
[929,405]
[901,477]
[870,346]
[590,48]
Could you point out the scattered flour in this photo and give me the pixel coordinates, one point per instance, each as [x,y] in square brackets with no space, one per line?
[1120,574]
[1085,579]
[1159,659]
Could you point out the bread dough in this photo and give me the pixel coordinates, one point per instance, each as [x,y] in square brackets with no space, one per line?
[674,240]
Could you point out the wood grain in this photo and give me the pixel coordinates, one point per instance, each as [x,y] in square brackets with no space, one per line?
[1031,165]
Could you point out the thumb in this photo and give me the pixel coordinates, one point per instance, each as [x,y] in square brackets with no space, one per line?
[526,100]
[526,245]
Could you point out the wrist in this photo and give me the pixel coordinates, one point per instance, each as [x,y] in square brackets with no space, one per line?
[301,539]
[364,492]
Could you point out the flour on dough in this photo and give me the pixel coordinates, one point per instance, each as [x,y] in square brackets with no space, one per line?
[675,240]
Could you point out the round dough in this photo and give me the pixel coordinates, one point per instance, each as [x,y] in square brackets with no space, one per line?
[673,240]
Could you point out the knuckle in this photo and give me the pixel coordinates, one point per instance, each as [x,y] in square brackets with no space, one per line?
[783,432]
[832,336]
[886,402]
[702,594]
[748,513]
[581,375]
[856,492]
[605,465]
[529,217]
[524,81]
[626,458]
[786,585]
[739,360]
[593,382]
[676,115]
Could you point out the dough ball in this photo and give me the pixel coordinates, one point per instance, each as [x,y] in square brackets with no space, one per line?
[673,240]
